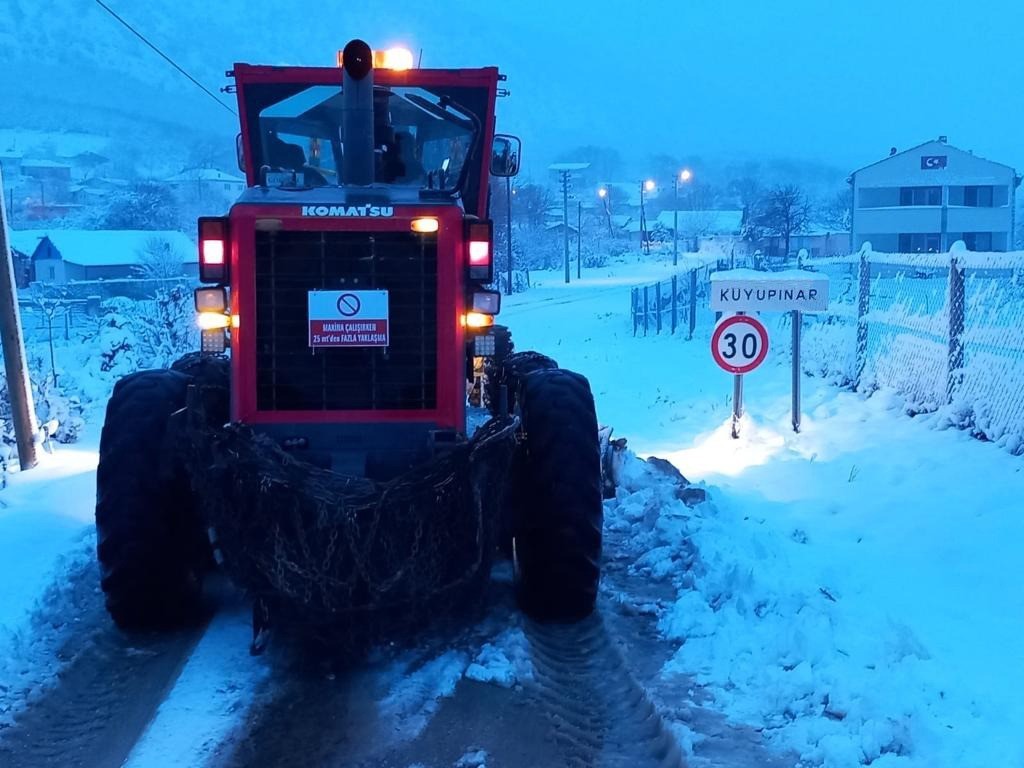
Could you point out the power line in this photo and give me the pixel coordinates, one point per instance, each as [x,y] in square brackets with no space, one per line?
[164,56]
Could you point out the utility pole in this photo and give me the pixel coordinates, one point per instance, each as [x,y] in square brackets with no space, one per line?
[644,245]
[684,175]
[647,186]
[675,222]
[579,239]
[20,393]
[508,227]
[565,219]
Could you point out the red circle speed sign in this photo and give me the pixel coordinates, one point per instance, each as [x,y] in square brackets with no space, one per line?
[739,344]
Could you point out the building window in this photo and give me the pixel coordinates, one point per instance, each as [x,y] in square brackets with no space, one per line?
[53,273]
[920,195]
[978,197]
[920,242]
[978,241]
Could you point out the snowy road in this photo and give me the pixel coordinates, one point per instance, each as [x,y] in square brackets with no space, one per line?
[844,598]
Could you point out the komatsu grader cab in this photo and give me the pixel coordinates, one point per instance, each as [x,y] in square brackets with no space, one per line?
[316,446]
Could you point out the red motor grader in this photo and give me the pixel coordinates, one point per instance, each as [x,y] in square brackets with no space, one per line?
[316,447]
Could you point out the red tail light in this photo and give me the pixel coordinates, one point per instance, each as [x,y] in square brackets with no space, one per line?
[213,250]
[479,250]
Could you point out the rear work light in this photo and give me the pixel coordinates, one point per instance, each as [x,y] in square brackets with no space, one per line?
[211,299]
[487,302]
[213,250]
[479,248]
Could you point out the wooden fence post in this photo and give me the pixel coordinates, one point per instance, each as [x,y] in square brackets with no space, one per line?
[955,364]
[693,302]
[647,314]
[657,302]
[675,304]
[633,301]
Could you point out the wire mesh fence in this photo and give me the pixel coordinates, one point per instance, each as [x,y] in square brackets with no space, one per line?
[943,330]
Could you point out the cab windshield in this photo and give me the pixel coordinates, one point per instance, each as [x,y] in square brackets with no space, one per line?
[421,139]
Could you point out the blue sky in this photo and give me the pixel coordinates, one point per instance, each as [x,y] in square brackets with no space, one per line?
[838,82]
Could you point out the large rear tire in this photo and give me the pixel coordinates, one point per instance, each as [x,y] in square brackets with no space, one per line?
[509,371]
[151,546]
[557,526]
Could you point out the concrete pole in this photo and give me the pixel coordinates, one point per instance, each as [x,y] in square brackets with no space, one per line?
[579,239]
[675,222]
[565,219]
[18,388]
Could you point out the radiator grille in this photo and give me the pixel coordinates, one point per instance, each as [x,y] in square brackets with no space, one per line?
[291,376]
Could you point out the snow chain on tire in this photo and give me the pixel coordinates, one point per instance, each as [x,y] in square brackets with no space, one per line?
[558,513]
[151,546]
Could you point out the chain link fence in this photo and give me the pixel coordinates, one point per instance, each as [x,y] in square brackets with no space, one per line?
[943,330]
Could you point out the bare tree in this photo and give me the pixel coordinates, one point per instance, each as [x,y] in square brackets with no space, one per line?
[159,260]
[785,212]
[530,204]
[836,212]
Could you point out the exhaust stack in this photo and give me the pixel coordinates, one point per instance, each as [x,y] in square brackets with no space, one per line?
[359,163]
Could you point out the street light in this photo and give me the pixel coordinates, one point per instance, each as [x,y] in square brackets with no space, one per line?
[684,175]
[644,242]
[602,193]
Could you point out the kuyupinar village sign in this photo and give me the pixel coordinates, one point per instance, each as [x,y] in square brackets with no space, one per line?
[740,341]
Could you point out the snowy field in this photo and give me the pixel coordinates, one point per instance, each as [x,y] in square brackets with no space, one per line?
[851,592]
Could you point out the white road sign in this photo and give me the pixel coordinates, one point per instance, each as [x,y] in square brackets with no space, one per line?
[348,319]
[747,290]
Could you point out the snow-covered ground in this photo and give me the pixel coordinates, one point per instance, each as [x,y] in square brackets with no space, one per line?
[851,590]
[855,589]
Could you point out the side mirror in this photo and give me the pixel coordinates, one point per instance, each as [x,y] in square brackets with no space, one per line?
[240,152]
[505,154]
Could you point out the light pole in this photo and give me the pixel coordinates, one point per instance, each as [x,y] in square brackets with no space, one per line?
[607,200]
[685,175]
[579,239]
[645,186]
[508,229]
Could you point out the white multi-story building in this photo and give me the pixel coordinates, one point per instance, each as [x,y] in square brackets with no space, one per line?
[926,198]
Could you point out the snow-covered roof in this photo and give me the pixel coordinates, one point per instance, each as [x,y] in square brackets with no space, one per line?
[940,144]
[43,164]
[556,224]
[10,154]
[204,174]
[104,248]
[817,229]
[704,222]
[568,166]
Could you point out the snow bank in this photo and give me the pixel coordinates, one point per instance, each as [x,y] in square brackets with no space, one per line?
[781,610]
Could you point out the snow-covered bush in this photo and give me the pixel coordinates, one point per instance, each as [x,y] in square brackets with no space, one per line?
[164,327]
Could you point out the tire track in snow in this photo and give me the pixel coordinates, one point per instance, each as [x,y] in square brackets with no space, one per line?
[599,714]
[104,695]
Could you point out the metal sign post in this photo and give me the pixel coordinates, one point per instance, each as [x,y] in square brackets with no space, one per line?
[798,319]
[739,345]
[740,291]
[737,404]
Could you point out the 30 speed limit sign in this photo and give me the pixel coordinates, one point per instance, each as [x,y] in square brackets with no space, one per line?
[739,344]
